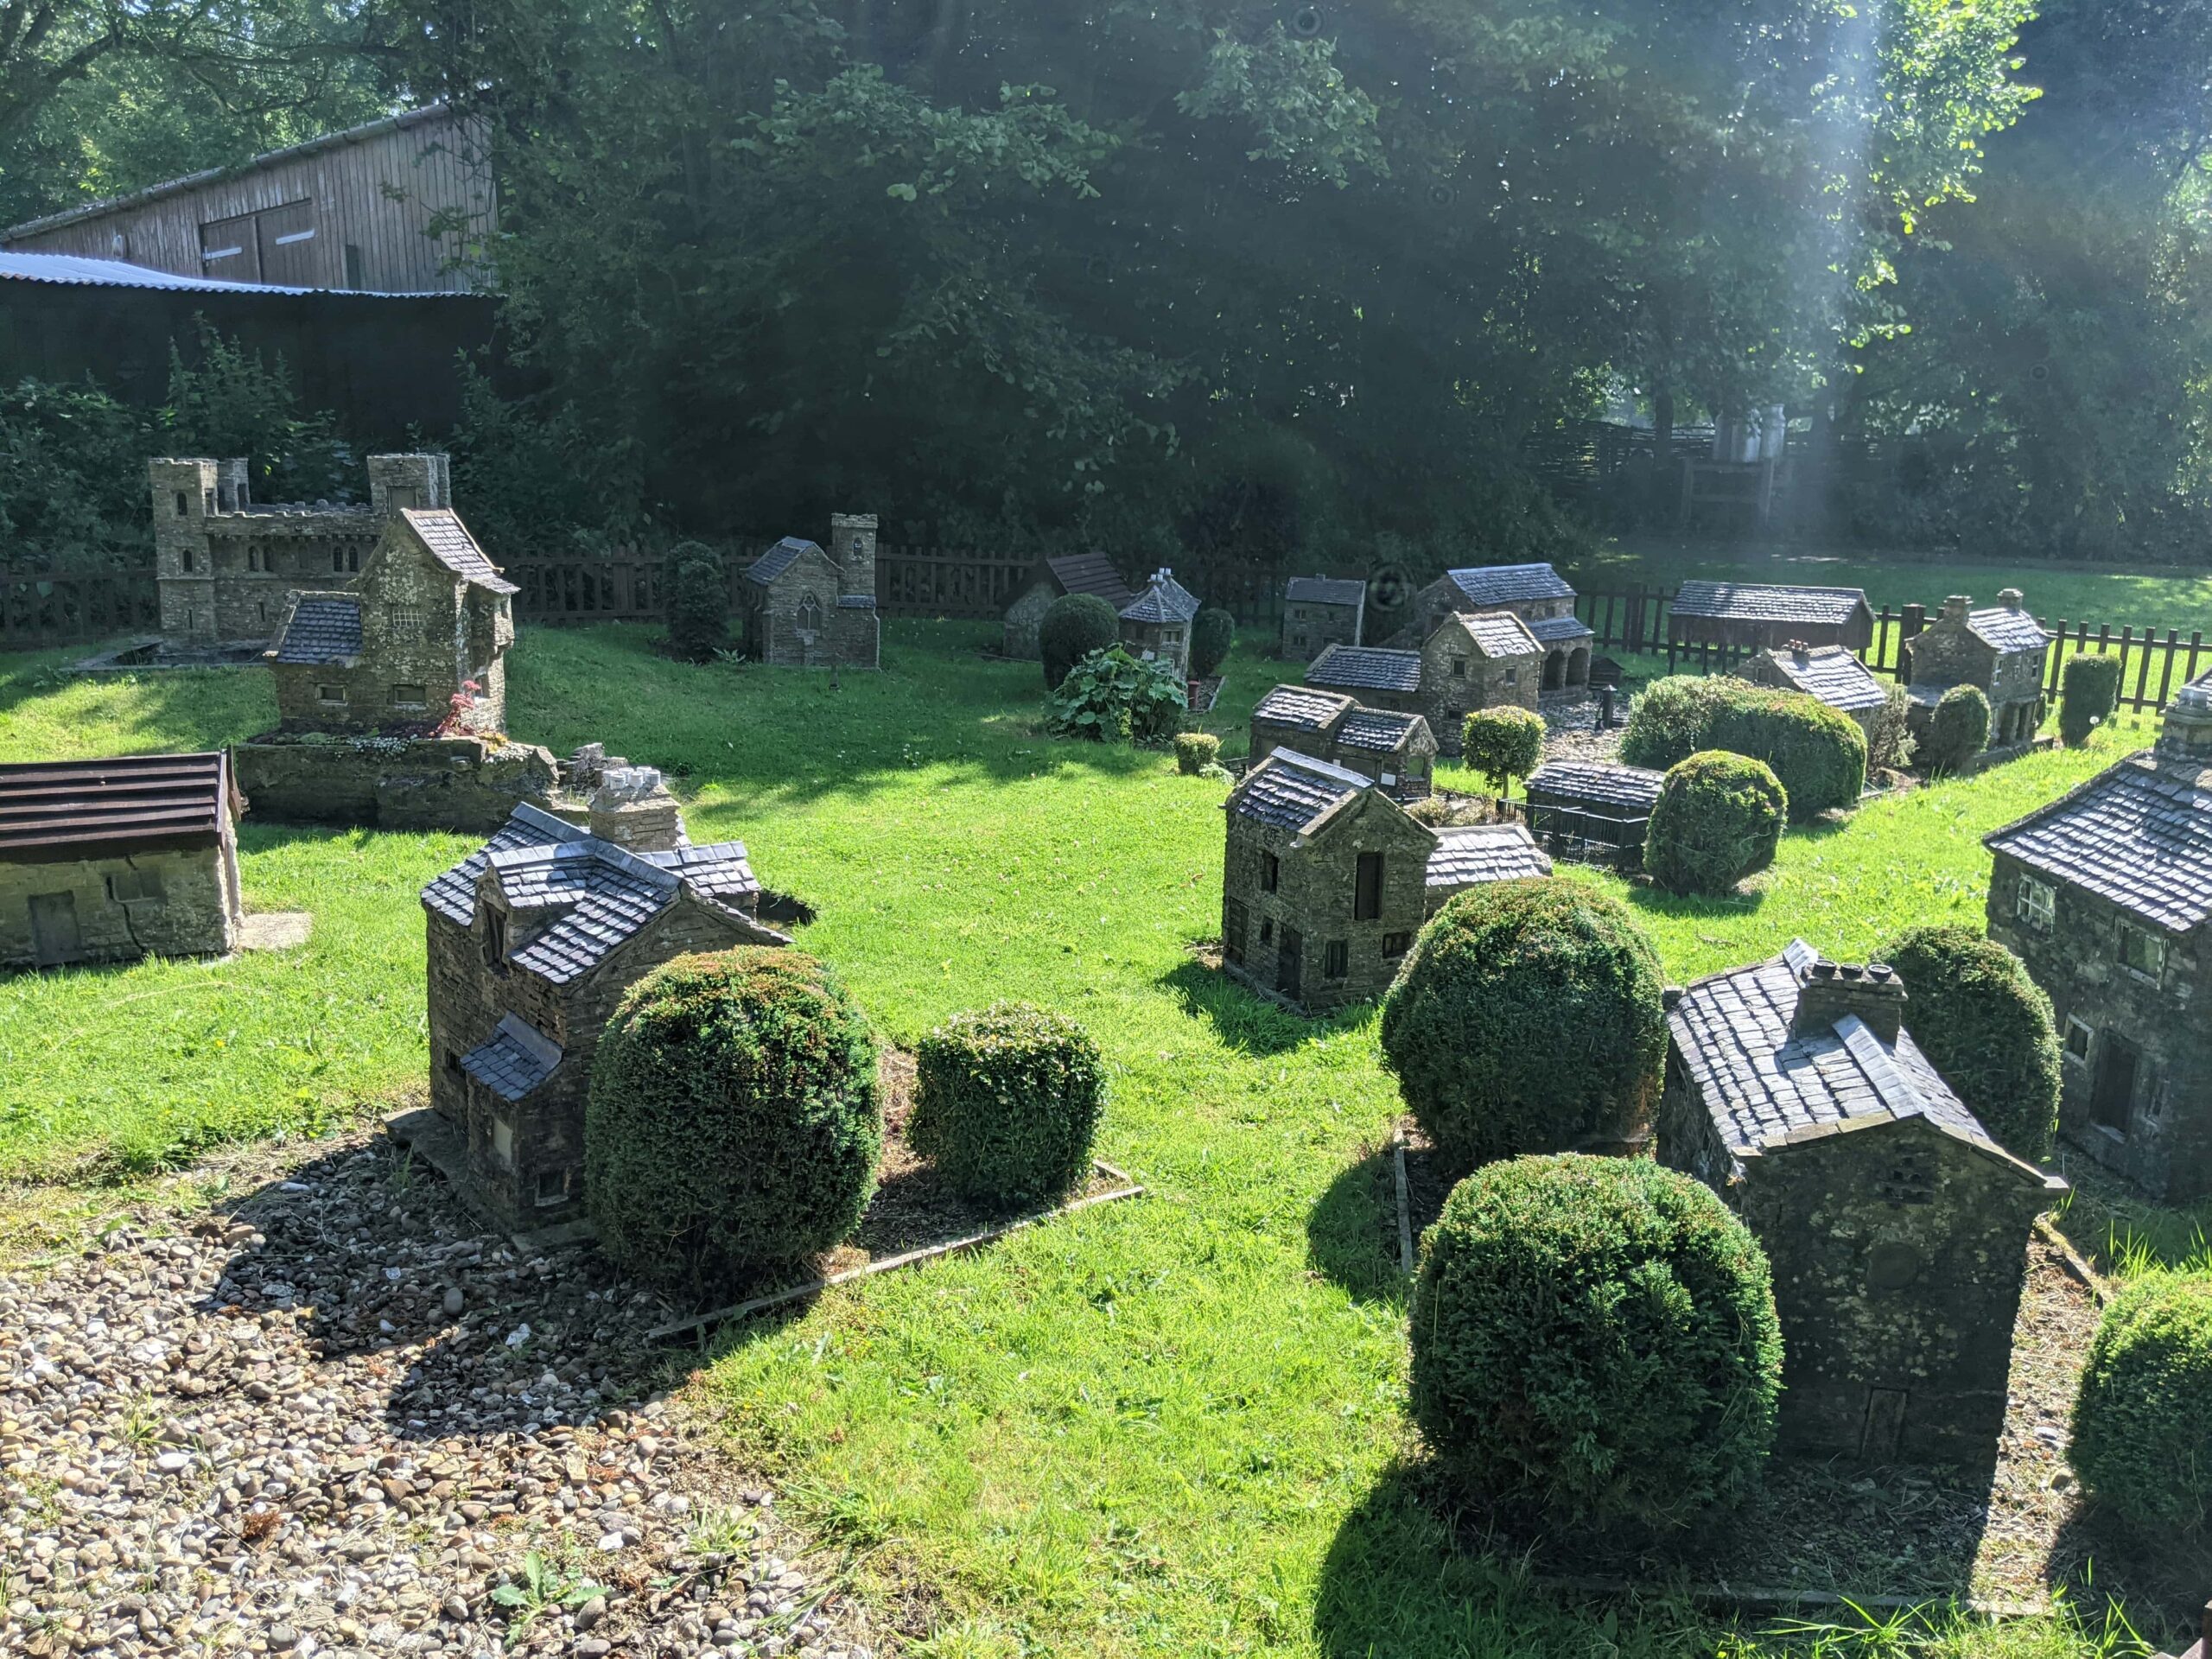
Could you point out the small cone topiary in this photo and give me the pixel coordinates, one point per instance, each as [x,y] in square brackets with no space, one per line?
[1007,1102]
[1718,819]
[2142,1419]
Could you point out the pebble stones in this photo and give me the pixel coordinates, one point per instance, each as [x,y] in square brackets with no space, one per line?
[340,1420]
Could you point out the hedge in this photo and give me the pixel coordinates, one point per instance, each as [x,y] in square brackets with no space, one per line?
[1075,626]
[1503,744]
[1718,818]
[1212,633]
[2142,1419]
[1595,1345]
[1957,731]
[1527,1018]
[1007,1102]
[698,603]
[1987,1028]
[1818,753]
[2089,695]
[732,1125]
[1667,722]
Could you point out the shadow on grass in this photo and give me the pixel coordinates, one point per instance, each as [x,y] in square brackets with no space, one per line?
[1241,1018]
[2105,1567]
[1351,1232]
[1745,901]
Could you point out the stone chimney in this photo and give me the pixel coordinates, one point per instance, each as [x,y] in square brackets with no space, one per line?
[633,809]
[396,481]
[852,544]
[2185,735]
[1956,606]
[2011,599]
[1800,652]
[1828,990]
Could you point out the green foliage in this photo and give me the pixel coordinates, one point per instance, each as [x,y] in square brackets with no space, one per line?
[1195,752]
[1503,744]
[2142,1419]
[72,478]
[1817,752]
[2090,692]
[1007,1102]
[1718,819]
[1957,731]
[733,1124]
[1986,1027]
[1213,632]
[1074,626]
[1890,747]
[1527,1018]
[1670,720]
[1112,697]
[530,477]
[225,400]
[1595,1345]
[698,603]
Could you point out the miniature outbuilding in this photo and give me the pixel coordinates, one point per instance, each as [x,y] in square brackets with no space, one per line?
[1764,616]
[1318,612]
[1477,660]
[1396,750]
[1833,674]
[1536,594]
[1156,624]
[1379,678]
[1076,573]
[1898,1229]
[807,607]
[2106,894]
[110,861]
[1593,808]
[2003,651]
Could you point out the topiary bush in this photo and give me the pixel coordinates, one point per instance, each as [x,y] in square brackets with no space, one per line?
[1527,1018]
[733,1124]
[2142,1419]
[1818,753]
[698,603]
[1987,1028]
[1112,697]
[1957,731]
[1595,1344]
[1503,744]
[1195,752]
[2089,693]
[1074,626]
[1667,722]
[1718,819]
[1007,1102]
[1212,633]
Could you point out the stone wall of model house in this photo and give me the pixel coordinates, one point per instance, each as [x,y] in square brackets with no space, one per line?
[178,902]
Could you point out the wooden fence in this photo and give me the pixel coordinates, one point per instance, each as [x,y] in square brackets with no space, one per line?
[38,610]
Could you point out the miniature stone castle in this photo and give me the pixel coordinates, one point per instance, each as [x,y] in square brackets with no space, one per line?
[806,607]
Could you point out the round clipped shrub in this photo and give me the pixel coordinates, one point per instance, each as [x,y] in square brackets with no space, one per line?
[1503,744]
[1818,753]
[1074,626]
[733,1123]
[1527,1018]
[1595,1344]
[698,603]
[1957,731]
[1668,722]
[1213,632]
[2089,693]
[1987,1028]
[1195,752]
[2142,1419]
[1718,819]
[1007,1102]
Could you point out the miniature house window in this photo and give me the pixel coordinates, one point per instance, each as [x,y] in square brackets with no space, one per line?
[186,555]
[410,696]
[2077,1039]
[1335,959]
[503,1140]
[552,1186]
[2036,902]
[1233,920]
[1267,931]
[1270,873]
[1511,678]
[1366,889]
[1893,1265]
[1396,944]
[810,614]
[495,936]
[183,503]
[126,886]
[1458,668]
[261,610]
[2141,952]
[453,1062]
[332,695]
[402,620]
[207,503]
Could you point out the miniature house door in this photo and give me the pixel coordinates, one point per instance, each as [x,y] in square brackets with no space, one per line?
[55,938]
[2112,1099]
[1290,959]
[1884,1425]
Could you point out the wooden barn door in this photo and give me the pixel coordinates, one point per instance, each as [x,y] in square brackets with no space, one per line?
[229,251]
[288,247]
[1290,960]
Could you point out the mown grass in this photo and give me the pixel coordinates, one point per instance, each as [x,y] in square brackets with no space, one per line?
[1170,1427]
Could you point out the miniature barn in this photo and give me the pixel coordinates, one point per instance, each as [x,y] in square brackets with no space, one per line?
[2106,894]
[532,943]
[1897,1228]
[1076,573]
[1763,616]
[1830,673]
[1593,810]
[2003,651]
[1318,612]
[1156,624]
[1326,880]
[110,861]
[805,606]
[1394,749]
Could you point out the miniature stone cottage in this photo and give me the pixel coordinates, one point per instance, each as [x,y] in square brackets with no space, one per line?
[1767,617]
[110,861]
[1156,624]
[224,563]
[1536,594]
[2002,651]
[1326,879]
[1477,660]
[532,941]
[1394,749]
[1378,677]
[428,618]
[1897,1228]
[1318,612]
[807,607]
[2106,894]
[1829,673]
[1076,573]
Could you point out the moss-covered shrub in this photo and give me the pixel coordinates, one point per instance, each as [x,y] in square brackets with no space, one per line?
[2089,693]
[1503,744]
[1195,752]
[1957,731]
[733,1124]
[1668,719]
[1074,626]
[1213,632]
[1007,1102]
[1595,1344]
[1987,1028]
[1112,697]
[1718,819]
[1527,1018]
[2142,1419]
[1818,753]
[698,603]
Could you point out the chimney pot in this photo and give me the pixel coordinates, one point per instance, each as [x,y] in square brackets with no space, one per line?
[1957,606]
[2011,599]
[1831,990]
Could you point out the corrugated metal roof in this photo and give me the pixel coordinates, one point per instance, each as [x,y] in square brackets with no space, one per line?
[74,270]
[75,809]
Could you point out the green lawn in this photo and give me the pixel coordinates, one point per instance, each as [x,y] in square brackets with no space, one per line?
[1173,1426]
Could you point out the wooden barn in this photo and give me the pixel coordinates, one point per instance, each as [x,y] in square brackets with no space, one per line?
[1762,616]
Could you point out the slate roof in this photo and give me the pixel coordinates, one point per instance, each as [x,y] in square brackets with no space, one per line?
[1091,573]
[1557,630]
[1834,676]
[513,1060]
[1500,634]
[1382,732]
[2007,630]
[323,628]
[1759,1084]
[52,810]
[1598,783]
[856,602]
[1756,601]
[1303,707]
[1324,590]
[2136,834]
[440,531]
[1509,584]
[1293,790]
[1485,852]
[1369,666]
[1163,600]
[780,558]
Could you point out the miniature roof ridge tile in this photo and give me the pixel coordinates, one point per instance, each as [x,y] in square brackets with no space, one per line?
[1373,667]
[1506,584]
[1324,590]
[322,629]
[447,539]
[1759,602]
[2136,834]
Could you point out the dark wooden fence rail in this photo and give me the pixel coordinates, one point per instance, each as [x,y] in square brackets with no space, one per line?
[47,610]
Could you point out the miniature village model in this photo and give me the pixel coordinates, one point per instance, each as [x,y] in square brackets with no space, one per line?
[1318,612]
[1394,749]
[1076,573]
[1593,810]
[1536,594]
[1831,674]
[2002,651]
[1156,624]
[2106,894]
[807,607]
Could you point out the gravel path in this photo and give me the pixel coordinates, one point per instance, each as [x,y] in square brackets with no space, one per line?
[338,1418]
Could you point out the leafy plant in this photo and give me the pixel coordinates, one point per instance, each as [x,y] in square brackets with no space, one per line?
[543,1587]
[1986,1028]
[1075,625]
[1503,744]
[1112,697]
[2090,692]
[1718,819]
[1007,1102]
